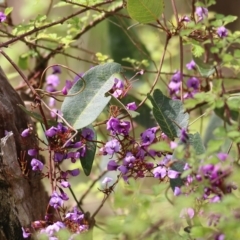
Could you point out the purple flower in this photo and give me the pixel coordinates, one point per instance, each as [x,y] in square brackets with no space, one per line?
[51,132]
[2,17]
[75,216]
[129,159]
[222,156]
[222,32]
[53,80]
[118,84]
[56,201]
[193,82]
[185,19]
[61,128]
[64,196]
[201,13]
[74,172]
[112,165]
[184,136]
[148,136]
[176,77]
[56,69]
[51,102]
[177,191]
[107,180]
[65,184]
[112,146]
[112,124]
[123,169]
[25,234]
[131,106]
[187,212]
[59,157]
[88,134]
[191,65]
[219,236]
[162,172]
[52,229]
[117,127]
[36,165]
[32,152]
[25,133]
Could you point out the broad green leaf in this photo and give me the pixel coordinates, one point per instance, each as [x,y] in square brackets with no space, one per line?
[145,11]
[87,160]
[204,69]
[196,141]
[82,109]
[169,114]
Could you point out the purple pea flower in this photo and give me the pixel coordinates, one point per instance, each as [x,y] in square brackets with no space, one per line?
[112,124]
[187,212]
[65,184]
[32,152]
[25,233]
[74,172]
[56,201]
[185,19]
[36,165]
[52,229]
[201,13]
[51,132]
[59,157]
[112,165]
[131,106]
[25,133]
[177,191]
[112,147]
[56,69]
[191,65]
[88,134]
[193,82]
[106,180]
[3,17]
[53,80]
[148,136]
[123,169]
[222,32]
[184,136]
[222,156]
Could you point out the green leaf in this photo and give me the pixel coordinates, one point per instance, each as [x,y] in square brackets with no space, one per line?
[145,11]
[196,141]
[204,69]
[82,109]
[23,61]
[169,114]
[8,10]
[87,160]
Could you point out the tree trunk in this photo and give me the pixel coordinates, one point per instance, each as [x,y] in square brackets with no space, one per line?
[22,195]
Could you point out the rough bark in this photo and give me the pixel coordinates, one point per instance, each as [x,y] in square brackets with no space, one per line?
[22,197]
